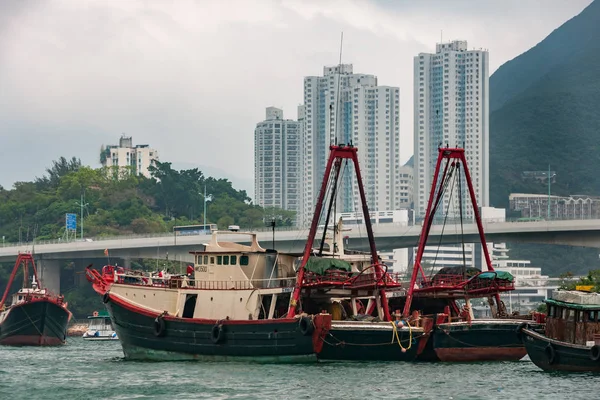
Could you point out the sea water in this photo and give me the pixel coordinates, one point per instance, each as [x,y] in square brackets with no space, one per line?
[97,370]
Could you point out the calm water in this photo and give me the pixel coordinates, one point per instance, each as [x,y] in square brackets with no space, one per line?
[93,370]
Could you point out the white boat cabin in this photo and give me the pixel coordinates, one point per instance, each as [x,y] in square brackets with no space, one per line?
[231,280]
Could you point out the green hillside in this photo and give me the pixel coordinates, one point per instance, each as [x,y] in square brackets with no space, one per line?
[564,44]
[545,112]
[555,120]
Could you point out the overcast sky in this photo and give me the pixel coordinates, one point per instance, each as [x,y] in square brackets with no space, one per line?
[192,78]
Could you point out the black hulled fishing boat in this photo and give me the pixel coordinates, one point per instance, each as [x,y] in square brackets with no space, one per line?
[35,316]
[352,286]
[233,306]
[446,295]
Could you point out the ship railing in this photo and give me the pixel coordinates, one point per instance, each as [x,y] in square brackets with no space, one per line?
[183,281]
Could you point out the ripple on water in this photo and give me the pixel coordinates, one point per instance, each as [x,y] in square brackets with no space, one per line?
[96,370]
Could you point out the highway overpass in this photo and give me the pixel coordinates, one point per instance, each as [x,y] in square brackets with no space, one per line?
[584,233]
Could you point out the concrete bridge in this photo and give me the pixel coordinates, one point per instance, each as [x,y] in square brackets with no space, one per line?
[585,233]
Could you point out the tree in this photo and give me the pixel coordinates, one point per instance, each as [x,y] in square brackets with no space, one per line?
[59,168]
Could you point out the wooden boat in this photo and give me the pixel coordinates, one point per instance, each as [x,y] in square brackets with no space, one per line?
[571,341]
[446,296]
[35,317]
[233,306]
[352,286]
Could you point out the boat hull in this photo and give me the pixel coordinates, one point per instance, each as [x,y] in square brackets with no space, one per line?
[185,339]
[482,340]
[562,357]
[369,341]
[37,323]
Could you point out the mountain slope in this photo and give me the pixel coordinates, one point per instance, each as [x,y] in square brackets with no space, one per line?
[558,48]
[554,121]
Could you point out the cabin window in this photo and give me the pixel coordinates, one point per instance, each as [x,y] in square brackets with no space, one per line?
[579,316]
[551,311]
[225,260]
[205,259]
[233,260]
[212,260]
[592,316]
[244,260]
[199,260]
[219,260]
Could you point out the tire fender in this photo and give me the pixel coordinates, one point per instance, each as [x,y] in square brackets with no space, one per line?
[306,326]
[159,326]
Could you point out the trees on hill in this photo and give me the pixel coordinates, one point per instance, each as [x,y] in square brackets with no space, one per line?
[123,203]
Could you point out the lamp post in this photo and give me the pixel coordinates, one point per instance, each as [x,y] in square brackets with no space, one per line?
[549,186]
[204,227]
[81,205]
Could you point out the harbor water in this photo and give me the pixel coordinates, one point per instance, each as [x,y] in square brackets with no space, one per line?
[97,370]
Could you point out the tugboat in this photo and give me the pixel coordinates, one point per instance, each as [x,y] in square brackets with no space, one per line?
[35,317]
[571,341]
[232,305]
[446,296]
[352,286]
[100,327]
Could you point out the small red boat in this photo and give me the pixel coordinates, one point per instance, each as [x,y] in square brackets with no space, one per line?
[35,317]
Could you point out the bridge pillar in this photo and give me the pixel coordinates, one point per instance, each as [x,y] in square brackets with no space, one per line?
[49,274]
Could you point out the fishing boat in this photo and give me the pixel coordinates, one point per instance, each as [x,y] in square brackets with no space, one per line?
[447,295]
[100,327]
[35,316]
[352,286]
[571,341]
[233,306]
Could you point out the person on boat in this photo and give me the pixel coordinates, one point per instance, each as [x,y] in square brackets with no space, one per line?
[190,274]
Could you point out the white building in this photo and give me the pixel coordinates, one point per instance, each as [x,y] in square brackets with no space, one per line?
[451,108]
[531,287]
[278,162]
[342,107]
[405,189]
[125,156]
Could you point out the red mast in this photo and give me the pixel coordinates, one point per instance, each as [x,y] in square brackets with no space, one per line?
[23,259]
[336,155]
[455,158]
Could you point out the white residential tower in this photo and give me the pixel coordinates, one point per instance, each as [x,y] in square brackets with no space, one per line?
[451,108]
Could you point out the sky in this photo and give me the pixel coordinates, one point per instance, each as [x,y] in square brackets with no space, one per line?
[192,78]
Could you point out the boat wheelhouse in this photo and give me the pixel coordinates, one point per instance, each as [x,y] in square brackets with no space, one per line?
[571,340]
[100,327]
[234,304]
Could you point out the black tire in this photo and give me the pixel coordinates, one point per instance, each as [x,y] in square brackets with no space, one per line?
[106,297]
[159,326]
[306,326]
[519,330]
[595,353]
[550,353]
[217,334]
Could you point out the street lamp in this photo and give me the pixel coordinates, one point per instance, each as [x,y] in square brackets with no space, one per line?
[549,185]
[205,200]
[81,205]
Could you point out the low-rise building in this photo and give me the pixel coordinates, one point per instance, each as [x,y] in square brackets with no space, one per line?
[127,157]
